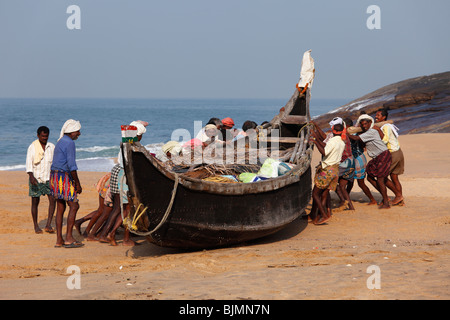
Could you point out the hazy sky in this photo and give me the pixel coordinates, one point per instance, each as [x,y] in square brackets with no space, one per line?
[216,49]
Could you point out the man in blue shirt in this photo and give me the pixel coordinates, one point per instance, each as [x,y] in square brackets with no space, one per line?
[64,182]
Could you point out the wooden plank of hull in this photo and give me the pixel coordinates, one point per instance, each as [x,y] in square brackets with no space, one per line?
[212,220]
[202,217]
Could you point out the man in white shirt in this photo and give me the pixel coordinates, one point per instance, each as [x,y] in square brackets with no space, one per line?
[327,172]
[38,164]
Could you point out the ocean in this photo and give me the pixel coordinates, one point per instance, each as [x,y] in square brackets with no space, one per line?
[101,120]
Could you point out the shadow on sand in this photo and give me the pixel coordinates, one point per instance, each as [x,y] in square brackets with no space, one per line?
[146,249]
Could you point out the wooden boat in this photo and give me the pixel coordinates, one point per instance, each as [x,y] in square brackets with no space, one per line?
[177,210]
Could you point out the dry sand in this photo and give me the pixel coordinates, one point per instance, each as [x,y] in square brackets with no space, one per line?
[409,244]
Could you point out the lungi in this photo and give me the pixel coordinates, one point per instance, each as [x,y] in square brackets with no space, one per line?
[116,185]
[379,167]
[327,178]
[62,186]
[360,164]
[347,169]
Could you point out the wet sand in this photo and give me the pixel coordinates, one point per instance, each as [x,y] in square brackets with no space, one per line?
[409,244]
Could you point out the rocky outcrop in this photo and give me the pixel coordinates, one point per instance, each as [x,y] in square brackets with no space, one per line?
[416,105]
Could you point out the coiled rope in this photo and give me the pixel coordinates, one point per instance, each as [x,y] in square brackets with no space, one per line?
[131,223]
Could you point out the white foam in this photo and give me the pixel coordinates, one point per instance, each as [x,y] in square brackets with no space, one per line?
[16,167]
[97,148]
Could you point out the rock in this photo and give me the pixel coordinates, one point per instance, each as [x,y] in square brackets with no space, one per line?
[416,105]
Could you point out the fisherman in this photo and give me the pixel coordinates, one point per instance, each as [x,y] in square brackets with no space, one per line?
[119,188]
[104,201]
[201,135]
[171,148]
[327,172]
[248,125]
[397,168]
[359,164]
[227,130]
[377,168]
[38,164]
[346,167]
[64,182]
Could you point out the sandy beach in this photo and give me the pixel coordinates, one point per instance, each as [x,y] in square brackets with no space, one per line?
[409,244]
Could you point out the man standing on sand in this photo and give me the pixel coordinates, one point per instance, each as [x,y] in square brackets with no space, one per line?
[327,173]
[378,168]
[64,182]
[398,161]
[38,163]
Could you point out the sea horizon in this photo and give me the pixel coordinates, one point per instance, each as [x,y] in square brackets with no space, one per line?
[101,119]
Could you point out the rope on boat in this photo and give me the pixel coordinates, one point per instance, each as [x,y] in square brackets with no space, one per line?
[131,223]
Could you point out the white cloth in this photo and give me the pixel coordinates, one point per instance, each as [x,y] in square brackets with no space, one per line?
[394,128]
[203,137]
[174,147]
[307,71]
[365,117]
[41,171]
[336,120]
[140,125]
[69,127]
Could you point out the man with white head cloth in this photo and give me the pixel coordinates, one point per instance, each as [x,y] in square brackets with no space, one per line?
[64,182]
[117,184]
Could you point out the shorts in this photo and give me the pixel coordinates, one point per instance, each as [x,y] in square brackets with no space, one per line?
[327,178]
[41,189]
[398,162]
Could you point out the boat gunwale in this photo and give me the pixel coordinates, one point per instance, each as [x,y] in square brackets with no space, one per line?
[270,184]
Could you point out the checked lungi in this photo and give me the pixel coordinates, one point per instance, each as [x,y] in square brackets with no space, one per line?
[379,167]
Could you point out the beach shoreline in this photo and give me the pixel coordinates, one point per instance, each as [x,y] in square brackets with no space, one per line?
[409,245]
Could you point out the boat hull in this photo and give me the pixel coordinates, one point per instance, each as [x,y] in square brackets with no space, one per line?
[203,218]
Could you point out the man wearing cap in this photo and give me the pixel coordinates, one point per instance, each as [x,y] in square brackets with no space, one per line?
[227,125]
[64,182]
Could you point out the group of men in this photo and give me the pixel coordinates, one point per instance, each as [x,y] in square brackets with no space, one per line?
[52,171]
[343,161]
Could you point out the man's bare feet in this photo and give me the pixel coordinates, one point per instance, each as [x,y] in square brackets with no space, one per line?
[129,243]
[78,227]
[91,237]
[397,200]
[49,230]
[372,202]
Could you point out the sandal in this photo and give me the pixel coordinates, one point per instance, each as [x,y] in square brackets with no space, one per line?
[74,244]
